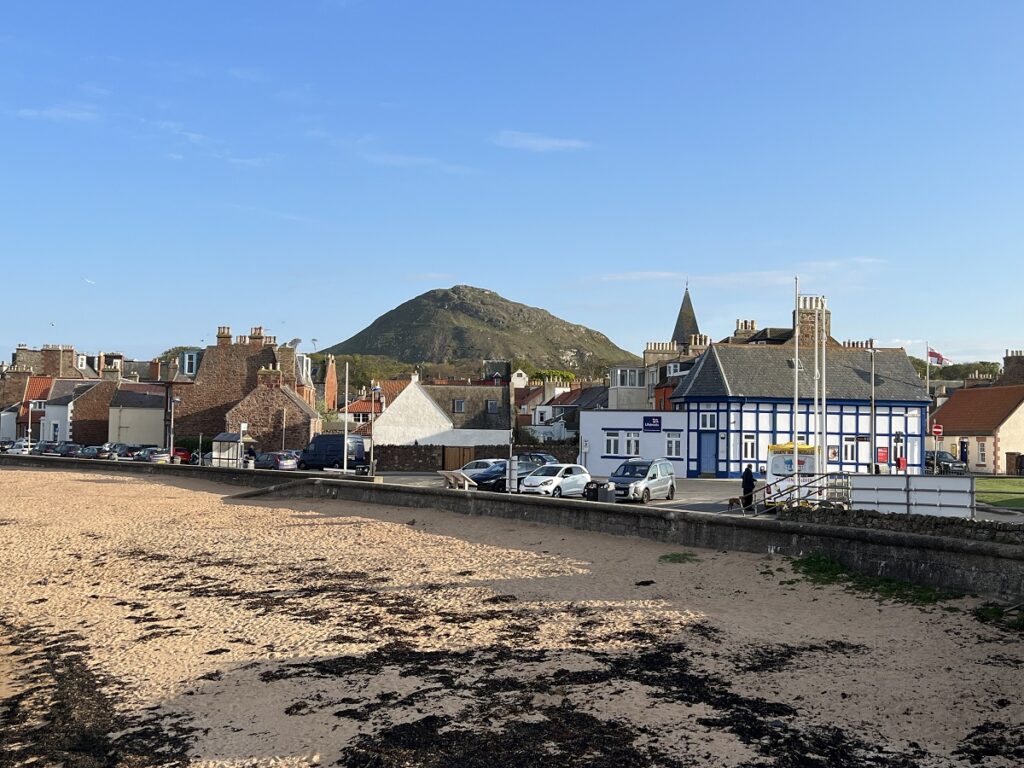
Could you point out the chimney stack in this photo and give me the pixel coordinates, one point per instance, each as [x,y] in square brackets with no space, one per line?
[224,336]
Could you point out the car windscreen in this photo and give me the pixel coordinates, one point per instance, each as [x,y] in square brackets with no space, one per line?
[946,456]
[632,469]
[547,471]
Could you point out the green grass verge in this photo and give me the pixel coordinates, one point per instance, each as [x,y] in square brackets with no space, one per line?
[679,557]
[1005,492]
[819,569]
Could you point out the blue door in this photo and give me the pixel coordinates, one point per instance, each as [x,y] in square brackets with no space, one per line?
[708,453]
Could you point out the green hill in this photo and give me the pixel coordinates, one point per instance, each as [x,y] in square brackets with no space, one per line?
[450,325]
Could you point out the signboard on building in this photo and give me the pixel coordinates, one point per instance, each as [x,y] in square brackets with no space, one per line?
[652,423]
[883,455]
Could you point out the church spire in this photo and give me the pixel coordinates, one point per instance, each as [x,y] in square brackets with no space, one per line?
[686,323]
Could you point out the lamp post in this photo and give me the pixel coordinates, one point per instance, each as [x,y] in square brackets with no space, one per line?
[373,437]
[28,429]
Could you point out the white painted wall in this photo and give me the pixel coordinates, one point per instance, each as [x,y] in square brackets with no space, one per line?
[54,416]
[1011,439]
[144,426]
[595,427]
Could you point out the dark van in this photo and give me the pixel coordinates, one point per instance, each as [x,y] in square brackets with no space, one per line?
[326,451]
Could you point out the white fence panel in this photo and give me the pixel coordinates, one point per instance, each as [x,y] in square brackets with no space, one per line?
[940,495]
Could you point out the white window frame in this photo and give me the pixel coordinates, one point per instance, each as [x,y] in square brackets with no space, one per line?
[981,451]
[849,449]
[750,447]
[632,443]
[611,443]
[674,444]
[189,363]
[708,420]
[458,406]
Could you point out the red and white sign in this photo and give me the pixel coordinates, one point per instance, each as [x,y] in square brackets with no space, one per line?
[936,430]
[883,455]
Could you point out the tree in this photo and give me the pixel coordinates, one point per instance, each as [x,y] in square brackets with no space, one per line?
[172,354]
[955,371]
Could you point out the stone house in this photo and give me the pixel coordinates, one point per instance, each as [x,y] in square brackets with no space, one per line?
[227,374]
[60,408]
[276,415]
[981,425]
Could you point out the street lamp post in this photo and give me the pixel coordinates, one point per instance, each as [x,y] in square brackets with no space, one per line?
[28,429]
[373,437]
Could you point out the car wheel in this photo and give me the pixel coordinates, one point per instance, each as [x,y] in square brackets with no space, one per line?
[302,465]
[671,491]
[557,491]
[336,465]
[645,496]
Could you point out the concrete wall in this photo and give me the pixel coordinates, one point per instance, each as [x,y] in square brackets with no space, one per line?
[141,426]
[980,567]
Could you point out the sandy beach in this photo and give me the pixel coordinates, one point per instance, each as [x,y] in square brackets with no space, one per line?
[159,623]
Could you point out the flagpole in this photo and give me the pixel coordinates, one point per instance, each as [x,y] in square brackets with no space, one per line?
[796,377]
[928,391]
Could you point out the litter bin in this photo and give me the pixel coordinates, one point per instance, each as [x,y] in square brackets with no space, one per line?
[606,493]
[590,491]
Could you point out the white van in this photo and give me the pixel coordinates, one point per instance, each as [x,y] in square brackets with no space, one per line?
[779,475]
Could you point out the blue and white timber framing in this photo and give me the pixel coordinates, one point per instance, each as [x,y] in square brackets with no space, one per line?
[738,400]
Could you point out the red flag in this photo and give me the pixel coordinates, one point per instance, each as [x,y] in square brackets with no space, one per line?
[934,356]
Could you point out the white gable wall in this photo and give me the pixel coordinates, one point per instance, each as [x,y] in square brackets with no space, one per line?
[414,417]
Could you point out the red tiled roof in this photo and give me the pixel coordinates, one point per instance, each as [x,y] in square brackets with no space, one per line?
[391,389]
[525,395]
[38,389]
[978,411]
[362,406]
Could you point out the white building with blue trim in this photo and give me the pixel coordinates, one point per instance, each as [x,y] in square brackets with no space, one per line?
[738,400]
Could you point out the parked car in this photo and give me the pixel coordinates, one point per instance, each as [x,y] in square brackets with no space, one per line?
[494,478]
[948,463]
[19,447]
[47,447]
[69,449]
[556,480]
[479,465]
[184,455]
[537,457]
[5,445]
[94,452]
[644,479]
[153,456]
[124,450]
[276,460]
[328,451]
[205,458]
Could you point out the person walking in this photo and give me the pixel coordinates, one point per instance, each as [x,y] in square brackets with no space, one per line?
[748,484]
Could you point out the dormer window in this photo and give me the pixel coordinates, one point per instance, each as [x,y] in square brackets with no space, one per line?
[80,364]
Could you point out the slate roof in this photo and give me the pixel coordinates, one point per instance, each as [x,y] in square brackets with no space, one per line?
[770,336]
[65,391]
[305,407]
[139,396]
[686,321]
[766,371]
[978,410]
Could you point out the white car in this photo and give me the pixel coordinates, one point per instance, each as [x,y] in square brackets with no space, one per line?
[20,447]
[556,480]
[478,466]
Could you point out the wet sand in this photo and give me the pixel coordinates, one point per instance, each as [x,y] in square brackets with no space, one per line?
[157,623]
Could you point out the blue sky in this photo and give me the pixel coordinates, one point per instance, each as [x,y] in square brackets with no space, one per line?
[170,167]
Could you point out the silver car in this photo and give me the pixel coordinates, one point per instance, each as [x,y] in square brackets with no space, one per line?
[644,479]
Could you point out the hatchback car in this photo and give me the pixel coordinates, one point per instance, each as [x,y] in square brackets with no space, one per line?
[479,465]
[19,447]
[47,447]
[948,464]
[556,480]
[644,479]
[276,460]
[94,452]
[153,456]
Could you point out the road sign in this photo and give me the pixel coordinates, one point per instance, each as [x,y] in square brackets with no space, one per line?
[936,430]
